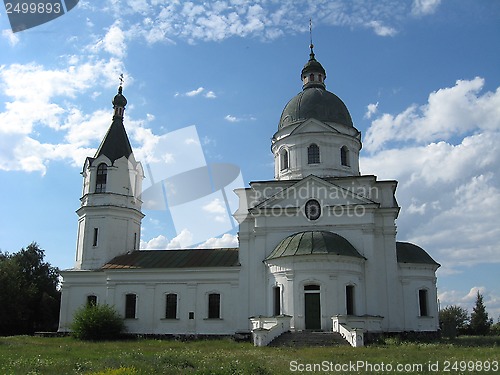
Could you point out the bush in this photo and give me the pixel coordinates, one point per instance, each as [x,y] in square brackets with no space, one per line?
[97,322]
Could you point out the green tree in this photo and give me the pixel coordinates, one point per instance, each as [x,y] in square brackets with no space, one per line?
[479,322]
[29,295]
[453,319]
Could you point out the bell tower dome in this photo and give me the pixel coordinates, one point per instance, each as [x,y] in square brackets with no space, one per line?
[109,218]
[315,133]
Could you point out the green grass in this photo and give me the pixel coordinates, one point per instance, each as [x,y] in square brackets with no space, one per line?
[66,355]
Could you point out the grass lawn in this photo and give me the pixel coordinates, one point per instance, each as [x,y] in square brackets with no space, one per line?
[37,355]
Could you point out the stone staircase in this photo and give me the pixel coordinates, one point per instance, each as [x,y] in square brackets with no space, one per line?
[309,338]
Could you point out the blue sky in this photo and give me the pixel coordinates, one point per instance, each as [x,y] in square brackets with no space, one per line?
[420,78]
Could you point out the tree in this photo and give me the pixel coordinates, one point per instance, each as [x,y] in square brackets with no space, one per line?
[453,319]
[28,294]
[479,322]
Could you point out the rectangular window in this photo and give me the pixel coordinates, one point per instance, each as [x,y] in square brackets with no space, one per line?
[130,306]
[276,300]
[171,306]
[422,301]
[92,300]
[96,235]
[214,306]
[349,299]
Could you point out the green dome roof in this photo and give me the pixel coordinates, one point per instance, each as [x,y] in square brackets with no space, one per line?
[314,242]
[317,103]
[119,100]
[410,253]
[313,65]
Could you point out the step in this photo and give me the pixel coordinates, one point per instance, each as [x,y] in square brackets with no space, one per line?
[309,338]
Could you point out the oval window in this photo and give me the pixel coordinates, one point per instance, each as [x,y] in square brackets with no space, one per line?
[312,209]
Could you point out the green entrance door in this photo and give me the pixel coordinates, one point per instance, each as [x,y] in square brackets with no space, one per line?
[312,310]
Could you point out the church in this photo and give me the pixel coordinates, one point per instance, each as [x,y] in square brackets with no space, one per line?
[317,245]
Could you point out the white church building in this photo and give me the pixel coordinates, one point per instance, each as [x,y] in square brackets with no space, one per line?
[317,245]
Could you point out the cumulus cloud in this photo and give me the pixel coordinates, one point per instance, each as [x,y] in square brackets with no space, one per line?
[184,239]
[450,111]
[37,98]
[226,241]
[449,184]
[181,241]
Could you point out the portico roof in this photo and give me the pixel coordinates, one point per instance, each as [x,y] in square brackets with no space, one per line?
[314,242]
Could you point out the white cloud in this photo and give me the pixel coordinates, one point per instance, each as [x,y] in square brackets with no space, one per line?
[10,36]
[196,92]
[450,111]
[380,29]
[181,241]
[216,207]
[199,91]
[449,182]
[184,238]
[215,21]
[217,210]
[424,7]
[226,241]
[371,109]
[232,118]
[114,41]
[210,95]
[26,113]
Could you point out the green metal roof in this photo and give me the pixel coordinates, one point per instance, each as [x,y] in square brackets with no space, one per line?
[409,253]
[314,242]
[116,143]
[317,103]
[190,258]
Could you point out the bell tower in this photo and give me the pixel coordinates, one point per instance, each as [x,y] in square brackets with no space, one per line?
[109,218]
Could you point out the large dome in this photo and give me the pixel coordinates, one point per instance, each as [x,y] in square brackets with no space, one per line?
[314,242]
[317,103]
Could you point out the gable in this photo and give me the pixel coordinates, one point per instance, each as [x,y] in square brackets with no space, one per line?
[313,126]
[313,187]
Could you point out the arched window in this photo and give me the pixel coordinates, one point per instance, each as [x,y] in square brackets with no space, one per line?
[313,154]
[423,302]
[344,156]
[100,182]
[311,77]
[320,78]
[130,306]
[171,306]
[214,306]
[349,299]
[284,160]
